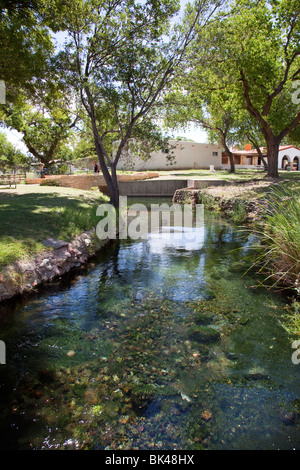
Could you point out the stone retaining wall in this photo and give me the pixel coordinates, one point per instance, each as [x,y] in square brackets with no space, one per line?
[58,259]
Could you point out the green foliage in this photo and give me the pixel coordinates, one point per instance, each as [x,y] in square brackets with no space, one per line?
[146,138]
[10,157]
[37,100]
[291,321]
[240,74]
[279,258]
[46,124]
[26,46]
[47,182]
[266,33]
[208,200]
[121,56]
[239,212]
[62,169]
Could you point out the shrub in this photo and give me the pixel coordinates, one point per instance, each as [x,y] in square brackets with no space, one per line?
[291,321]
[209,201]
[62,170]
[239,212]
[49,183]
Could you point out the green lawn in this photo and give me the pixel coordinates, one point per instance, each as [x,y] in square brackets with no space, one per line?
[30,215]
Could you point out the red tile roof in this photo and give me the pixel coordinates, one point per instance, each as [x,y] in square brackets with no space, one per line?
[285,147]
[263,150]
[248,152]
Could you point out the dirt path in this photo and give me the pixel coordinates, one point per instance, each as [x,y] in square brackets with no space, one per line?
[253,189]
[36,188]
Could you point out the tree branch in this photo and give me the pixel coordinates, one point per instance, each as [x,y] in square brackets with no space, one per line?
[289,128]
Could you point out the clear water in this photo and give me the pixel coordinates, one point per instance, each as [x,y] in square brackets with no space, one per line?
[155,345]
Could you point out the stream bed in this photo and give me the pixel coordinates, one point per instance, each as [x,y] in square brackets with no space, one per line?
[154,345]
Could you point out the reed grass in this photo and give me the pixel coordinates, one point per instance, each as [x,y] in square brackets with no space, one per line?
[278,250]
[279,257]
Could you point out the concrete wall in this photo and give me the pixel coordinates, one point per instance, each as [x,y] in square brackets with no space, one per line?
[187,155]
[153,188]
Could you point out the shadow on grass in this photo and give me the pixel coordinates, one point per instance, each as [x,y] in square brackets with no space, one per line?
[27,220]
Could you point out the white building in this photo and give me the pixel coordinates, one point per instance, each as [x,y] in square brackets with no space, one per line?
[183,155]
[289,156]
[187,155]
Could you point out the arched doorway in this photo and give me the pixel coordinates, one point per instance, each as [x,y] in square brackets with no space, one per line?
[285,162]
[296,163]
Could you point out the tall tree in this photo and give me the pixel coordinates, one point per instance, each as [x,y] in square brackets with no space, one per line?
[250,60]
[121,57]
[201,93]
[263,56]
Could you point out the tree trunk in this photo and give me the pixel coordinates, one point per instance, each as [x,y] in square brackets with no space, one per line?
[260,155]
[264,163]
[114,188]
[110,178]
[111,181]
[232,165]
[231,157]
[272,154]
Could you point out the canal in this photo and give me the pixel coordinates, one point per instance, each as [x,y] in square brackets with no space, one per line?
[156,344]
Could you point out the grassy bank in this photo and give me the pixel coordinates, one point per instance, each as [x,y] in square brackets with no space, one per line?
[279,248]
[244,201]
[31,214]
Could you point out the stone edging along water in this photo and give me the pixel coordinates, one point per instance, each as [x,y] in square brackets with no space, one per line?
[24,276]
